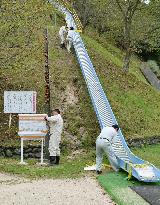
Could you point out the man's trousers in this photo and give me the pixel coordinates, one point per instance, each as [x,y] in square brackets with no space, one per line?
[62,39]
[54,142]
[69,44]
[103,146]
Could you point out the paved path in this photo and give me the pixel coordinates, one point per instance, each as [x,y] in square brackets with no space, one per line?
[83,191]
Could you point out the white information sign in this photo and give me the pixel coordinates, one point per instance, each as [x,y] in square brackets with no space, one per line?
[32,125]
[20,101]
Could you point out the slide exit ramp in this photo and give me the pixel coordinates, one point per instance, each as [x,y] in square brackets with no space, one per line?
[140,169]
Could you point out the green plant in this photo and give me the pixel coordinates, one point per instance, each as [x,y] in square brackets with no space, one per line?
[154,67]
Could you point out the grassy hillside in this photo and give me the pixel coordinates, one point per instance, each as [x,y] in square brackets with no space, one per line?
[29,78]
[22,55]
[69,93]
[134,102]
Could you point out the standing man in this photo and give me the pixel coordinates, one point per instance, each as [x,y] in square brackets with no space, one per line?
[104,145]
[69,38]
[62,32]
[56,126]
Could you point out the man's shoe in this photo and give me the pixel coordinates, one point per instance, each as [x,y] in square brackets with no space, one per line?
[62,45]
[99,172]
[57,160]
[52,160]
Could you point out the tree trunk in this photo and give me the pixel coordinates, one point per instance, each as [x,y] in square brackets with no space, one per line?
[127,60]
[85,15]
[127,43]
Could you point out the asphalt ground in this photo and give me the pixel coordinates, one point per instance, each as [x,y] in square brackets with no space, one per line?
[149,193]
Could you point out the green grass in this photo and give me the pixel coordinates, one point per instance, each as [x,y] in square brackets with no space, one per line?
[22,55]
[117,187]
[29,78]
[68,92]
[68,168]
[149,153]
[116,184]
[135,103]
[71,95]
[107,48]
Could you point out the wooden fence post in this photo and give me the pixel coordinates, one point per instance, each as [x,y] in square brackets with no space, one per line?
[47,89]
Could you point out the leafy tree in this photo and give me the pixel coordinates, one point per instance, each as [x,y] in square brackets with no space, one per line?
[127,10]
[134,24]
[84,8]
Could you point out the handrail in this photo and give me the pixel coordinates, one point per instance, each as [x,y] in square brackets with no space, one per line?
[74,13]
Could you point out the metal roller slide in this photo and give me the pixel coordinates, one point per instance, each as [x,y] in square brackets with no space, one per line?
[140,169]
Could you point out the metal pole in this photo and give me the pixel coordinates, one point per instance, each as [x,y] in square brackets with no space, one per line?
[42,152]
[22,151]
[47,90]
[10,120]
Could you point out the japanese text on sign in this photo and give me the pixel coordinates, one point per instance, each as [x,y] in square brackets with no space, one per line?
[20,101]
[32,125]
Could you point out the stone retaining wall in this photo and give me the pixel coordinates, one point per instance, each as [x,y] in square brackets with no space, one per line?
[150,76]
[31,151]
[143,141]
